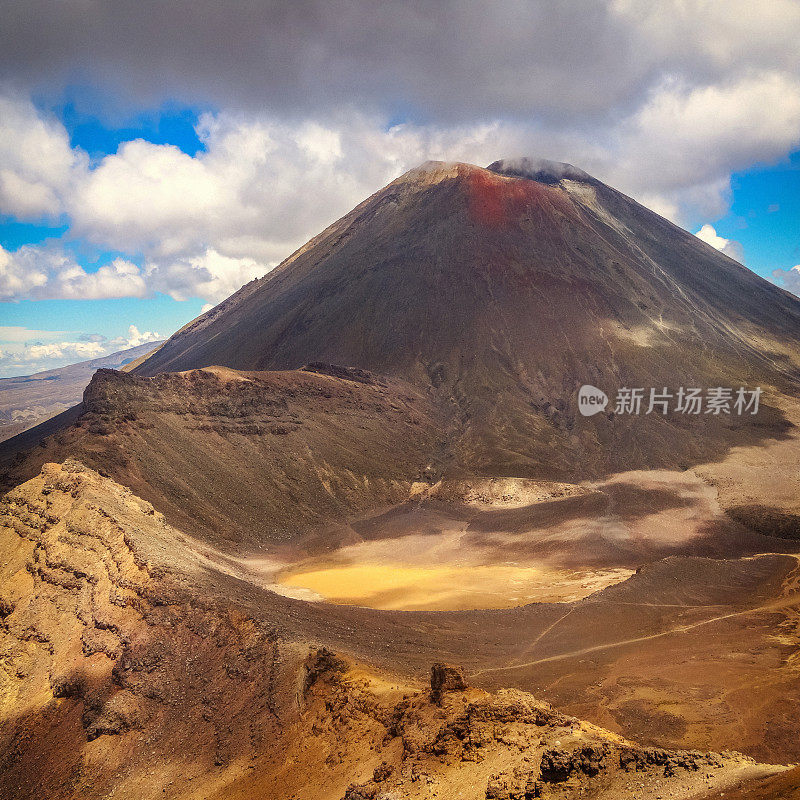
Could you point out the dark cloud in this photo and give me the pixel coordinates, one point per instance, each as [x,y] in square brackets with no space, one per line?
[300,100]
[438,60]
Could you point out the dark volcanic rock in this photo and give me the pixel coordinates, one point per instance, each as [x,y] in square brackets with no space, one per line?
[321,663]
[559,765]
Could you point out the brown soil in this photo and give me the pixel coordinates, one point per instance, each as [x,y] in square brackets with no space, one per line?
[123,647]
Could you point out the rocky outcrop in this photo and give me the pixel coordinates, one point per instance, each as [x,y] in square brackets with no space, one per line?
[445,678]
[320,664]
[101,643]
[558,765]
[346,373]
[372,789]
[427,749]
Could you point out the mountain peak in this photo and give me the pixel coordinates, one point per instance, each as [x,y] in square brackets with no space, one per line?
[430,172]
[500,292]
[538,169]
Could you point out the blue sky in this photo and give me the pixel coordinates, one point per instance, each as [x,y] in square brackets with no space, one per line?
[765,216]
[145,178]
[170,124]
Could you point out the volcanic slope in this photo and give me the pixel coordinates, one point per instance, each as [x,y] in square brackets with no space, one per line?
[502,290]
[251,460]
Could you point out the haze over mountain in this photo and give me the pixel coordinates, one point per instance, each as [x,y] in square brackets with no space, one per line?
[376,450]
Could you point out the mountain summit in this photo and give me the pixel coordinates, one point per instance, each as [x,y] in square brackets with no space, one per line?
[538,169]
[503,290]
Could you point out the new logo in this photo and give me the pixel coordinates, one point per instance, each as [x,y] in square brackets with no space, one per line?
[591,400]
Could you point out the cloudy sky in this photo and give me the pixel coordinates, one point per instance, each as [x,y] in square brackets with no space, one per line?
[154,156]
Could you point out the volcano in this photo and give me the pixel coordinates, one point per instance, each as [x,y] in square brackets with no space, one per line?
[348,534]
[502,291]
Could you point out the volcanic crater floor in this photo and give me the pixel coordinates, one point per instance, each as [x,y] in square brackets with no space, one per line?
[128,645]
[499,543]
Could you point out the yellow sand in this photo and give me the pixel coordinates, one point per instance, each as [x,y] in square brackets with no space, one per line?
[397,586]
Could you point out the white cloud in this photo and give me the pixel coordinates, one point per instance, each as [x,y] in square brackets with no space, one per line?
[203,225]
[39,273]
[120,278]
[710,236]
[789,279]
[37,163]
[713,39]
[209,275]
[150,197]
[17,333]
[133,339]
[685,141]
[63,350]
[35,356]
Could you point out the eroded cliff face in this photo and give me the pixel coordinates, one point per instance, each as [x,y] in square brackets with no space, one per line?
[116,670]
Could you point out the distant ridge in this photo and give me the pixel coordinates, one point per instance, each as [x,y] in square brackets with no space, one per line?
[30,399]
